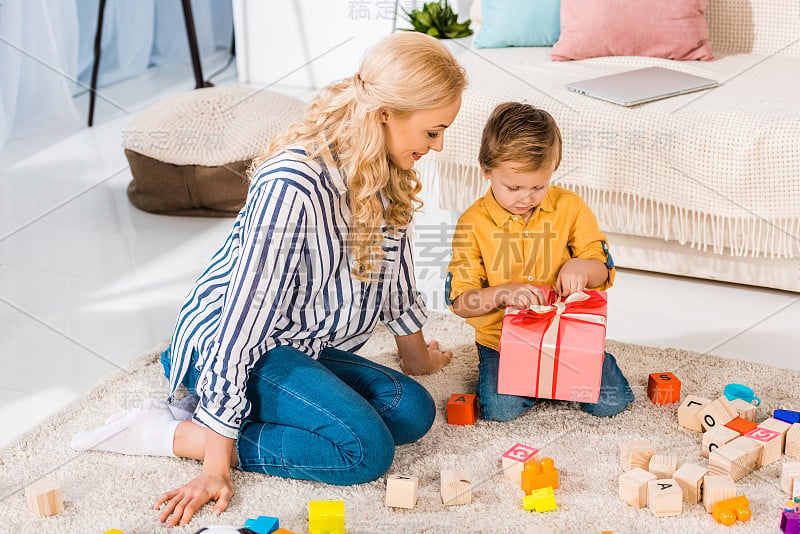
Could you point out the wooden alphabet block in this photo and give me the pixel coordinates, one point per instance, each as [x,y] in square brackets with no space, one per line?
[716,438]
[742,426]
[514,460]
[690,479]
[664,497]
[770,441]
[44,498]
[663,466]
[540,500]
[790,472]
[689,412]
[753,449]
[788,416]
[325,517]
[717,413]
[717,488]
[462,409]
[401,491]
[633,487]
[456,487]
[736,459]
[778,426]
[635,454]
[537,475]
[663,388]
[744,409]
[792,444]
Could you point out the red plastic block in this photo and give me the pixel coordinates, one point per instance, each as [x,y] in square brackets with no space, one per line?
[742,426]
[538,475]
[462,409]
[664,388]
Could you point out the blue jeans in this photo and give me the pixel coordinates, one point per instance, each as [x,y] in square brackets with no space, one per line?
[336,419]
[615,392]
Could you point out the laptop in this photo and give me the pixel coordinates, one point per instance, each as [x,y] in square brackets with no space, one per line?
[642,85]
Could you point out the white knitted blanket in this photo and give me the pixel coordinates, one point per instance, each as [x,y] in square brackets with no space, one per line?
[716,169]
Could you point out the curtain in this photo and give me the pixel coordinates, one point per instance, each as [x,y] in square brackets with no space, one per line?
[47,52]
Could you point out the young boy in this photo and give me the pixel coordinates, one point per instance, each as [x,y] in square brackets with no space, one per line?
[525,232]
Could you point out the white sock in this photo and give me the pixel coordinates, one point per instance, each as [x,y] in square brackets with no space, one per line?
[184,409]
[147,430]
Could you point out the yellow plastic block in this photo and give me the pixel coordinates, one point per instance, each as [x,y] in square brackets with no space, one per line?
[540,500]
[729,510]
[326,517]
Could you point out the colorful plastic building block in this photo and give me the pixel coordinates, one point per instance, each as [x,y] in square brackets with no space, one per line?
[283,531]
[114,531]
[401,491]
[664,497]
[462,409]
[44,498]
[729,510]
[514,460]
[540,500]
[326,517]
[537,475]
[663,388]
[742,426]
[456,487]
[689,412]
[790,522]
[264,524]
[789,416]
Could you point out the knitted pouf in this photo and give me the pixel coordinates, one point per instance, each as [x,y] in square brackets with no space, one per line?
[189,152]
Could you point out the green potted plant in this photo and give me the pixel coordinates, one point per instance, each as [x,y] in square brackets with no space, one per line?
[438,19]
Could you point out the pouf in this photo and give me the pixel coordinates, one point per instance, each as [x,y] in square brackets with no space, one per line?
[189,152]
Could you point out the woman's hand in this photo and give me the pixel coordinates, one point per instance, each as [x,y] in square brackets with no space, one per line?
[183,502]
[438,358]
[420,358]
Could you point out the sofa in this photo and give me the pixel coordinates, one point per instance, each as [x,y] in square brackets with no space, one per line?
[704,185]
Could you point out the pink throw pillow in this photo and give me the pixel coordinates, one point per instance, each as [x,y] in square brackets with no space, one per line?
[670,29]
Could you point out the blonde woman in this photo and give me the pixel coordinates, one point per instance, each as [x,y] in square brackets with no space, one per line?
[316,258]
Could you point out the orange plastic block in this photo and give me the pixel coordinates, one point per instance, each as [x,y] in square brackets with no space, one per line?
[663,388]
[729,510]
[742,426]
[538,475]
[462,409]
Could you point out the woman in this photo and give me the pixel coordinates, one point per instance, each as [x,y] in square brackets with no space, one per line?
[318,255]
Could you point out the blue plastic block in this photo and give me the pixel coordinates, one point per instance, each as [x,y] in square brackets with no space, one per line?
[263,525]
[787,415]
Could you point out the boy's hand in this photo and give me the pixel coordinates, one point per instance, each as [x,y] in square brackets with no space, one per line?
[523,296]
[573,277]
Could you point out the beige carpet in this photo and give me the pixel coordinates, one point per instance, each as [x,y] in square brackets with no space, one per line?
[103,490]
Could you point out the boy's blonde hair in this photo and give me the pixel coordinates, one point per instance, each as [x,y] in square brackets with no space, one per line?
[403,73]
[520,133]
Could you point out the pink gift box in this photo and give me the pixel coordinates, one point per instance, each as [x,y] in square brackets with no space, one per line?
[555,351]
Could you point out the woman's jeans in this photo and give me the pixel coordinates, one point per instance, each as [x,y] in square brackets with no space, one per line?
[615,392]
[336,419]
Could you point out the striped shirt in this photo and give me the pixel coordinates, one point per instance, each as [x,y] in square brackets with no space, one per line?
[282,277]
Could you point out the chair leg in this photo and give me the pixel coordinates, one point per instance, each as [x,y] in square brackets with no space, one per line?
[98,37]
[191,35]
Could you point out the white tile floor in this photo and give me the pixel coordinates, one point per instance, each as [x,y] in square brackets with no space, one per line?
[88,282]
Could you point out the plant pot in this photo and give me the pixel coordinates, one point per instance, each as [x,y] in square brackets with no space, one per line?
[458,46]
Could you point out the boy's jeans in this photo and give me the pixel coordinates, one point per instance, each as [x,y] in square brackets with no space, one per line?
[336,419]
[615,392]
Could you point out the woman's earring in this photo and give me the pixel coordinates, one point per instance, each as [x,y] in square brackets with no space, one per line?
[384,116]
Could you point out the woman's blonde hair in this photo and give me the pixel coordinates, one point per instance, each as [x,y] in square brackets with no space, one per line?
[404,72]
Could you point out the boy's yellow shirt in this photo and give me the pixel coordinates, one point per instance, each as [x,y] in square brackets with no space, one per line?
[492,246]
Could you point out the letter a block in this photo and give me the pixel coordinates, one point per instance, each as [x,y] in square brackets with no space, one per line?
[717,413]
[663,388]
[462,409]
[514,460]
[401,491]
[326,517]
[664,497]
[44,498]
[689,412]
